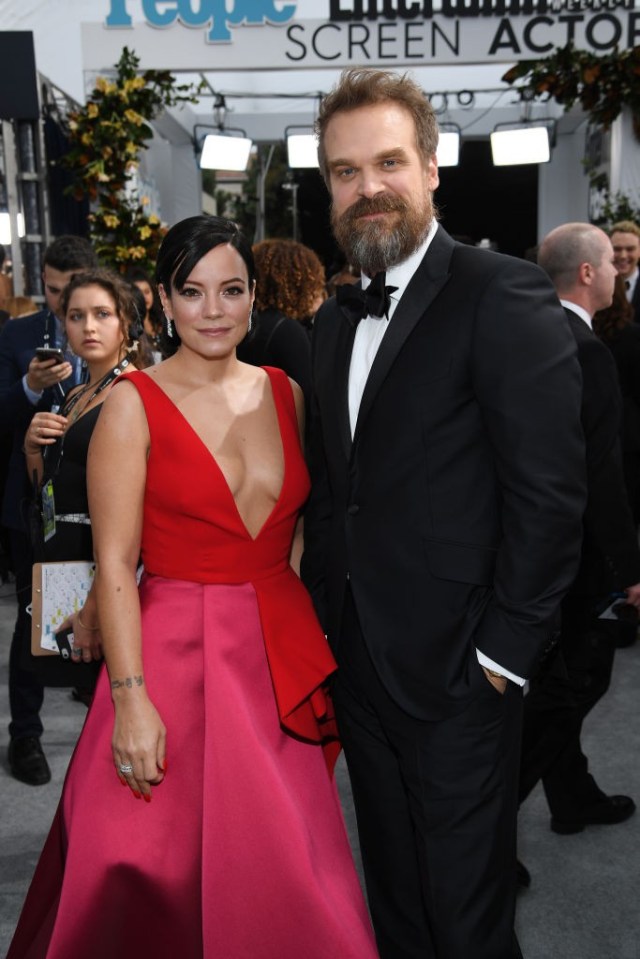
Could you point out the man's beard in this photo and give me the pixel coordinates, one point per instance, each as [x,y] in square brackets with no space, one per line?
[375,245]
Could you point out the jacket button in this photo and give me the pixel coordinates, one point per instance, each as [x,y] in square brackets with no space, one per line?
[353,509]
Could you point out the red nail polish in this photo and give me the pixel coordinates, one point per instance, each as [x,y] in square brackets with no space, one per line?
[122,780]
[146,797]
[137,794]
[164,765]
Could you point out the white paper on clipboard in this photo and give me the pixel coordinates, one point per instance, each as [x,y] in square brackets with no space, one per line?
[59,589]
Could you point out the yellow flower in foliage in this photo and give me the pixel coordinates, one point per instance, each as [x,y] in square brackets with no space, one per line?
[144,201]
[86,139]
[134,117]
[92,110]
[111,221]
[137,252]
[131,148]
[145,232]
[104,86]
[134,83]
[153,220]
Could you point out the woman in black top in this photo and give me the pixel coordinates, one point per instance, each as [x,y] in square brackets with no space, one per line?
[99,315]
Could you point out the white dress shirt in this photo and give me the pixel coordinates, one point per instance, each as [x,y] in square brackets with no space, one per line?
[630,284]
[369,336]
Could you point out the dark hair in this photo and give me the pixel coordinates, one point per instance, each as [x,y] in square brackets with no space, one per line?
[360,87]
[137,275]
[289,277]
[607,322]
[71,253]
[117,288]
[189,240]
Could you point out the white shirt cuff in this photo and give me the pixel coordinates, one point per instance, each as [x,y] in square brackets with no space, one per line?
[489,663]
[33,397]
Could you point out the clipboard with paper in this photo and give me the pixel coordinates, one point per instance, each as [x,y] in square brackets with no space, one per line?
[59,589]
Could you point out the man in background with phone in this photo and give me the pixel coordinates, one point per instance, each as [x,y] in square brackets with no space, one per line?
[29,383]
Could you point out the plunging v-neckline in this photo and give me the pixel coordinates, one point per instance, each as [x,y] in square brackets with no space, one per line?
[217,466]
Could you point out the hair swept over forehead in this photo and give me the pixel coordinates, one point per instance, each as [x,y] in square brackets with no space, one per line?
[360,87]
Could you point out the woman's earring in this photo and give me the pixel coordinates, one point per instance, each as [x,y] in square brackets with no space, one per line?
[250,323]
[169,326]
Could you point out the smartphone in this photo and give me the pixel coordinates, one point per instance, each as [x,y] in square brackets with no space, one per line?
[64,641]
[44,353]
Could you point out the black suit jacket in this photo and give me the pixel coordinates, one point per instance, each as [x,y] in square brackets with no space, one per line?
[456,511]
[18,341]
[610,558]
[635,301]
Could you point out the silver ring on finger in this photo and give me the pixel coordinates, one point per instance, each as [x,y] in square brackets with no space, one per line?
[76,651]
[126,768]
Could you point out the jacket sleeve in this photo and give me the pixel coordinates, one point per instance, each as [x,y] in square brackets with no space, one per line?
[318,510]
[528,383]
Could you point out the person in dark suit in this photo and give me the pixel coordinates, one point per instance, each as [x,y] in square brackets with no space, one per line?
[615,327]
[579,260]
[290,286]
[625,238]
[28,385]
[443,527]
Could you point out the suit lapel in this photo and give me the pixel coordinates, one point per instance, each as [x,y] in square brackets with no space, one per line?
[426,283]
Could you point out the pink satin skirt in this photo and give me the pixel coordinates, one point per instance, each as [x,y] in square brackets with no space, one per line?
[242,852]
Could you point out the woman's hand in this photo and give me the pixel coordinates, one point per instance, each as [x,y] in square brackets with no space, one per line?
[139,738]
[44,429]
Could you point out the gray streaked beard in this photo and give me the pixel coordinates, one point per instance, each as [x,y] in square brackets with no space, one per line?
[372,247]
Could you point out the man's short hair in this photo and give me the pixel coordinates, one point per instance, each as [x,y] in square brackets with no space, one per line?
[625,226]
[568,246]
[70,253]
[359,87]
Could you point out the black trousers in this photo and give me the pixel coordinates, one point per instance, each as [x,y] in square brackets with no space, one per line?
[560,698]
[26,693]
[436,809]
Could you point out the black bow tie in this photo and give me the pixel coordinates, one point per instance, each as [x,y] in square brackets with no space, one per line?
[357,303]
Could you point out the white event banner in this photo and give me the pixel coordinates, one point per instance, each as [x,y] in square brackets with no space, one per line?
[388,43]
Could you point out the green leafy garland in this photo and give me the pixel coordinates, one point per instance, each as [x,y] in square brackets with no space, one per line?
[603,85]
[106,137]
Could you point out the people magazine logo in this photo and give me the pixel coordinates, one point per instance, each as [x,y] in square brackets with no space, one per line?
[217,16]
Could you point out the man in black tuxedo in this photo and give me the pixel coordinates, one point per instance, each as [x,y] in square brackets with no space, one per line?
[26,386]
[443,527]
[625,238]
[579,259]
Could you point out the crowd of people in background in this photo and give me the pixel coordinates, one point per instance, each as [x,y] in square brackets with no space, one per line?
[445,583]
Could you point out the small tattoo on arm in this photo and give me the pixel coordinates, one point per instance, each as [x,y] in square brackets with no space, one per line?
[129,682]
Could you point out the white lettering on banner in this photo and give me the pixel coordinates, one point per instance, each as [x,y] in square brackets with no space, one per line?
[370,41]
[214,14]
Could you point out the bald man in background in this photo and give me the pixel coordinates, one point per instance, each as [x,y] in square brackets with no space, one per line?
[579,259]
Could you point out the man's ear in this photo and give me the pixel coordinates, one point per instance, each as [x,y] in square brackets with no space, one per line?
[585,274]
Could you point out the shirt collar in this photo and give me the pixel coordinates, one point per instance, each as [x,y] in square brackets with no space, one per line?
[579,311]
[401,274]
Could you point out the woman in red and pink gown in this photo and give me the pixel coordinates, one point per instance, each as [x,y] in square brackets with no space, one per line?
[199,817]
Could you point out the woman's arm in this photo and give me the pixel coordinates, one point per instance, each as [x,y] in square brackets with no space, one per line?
[116,475]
